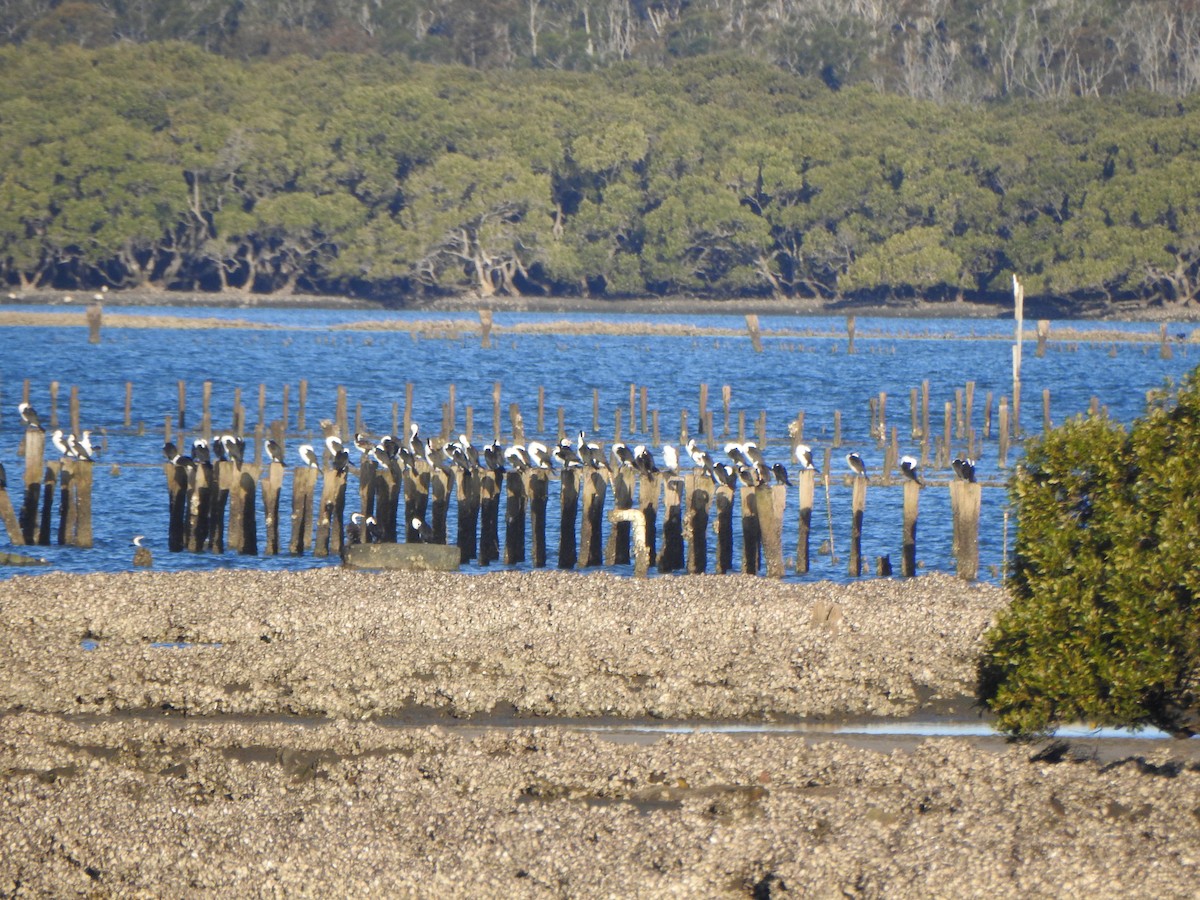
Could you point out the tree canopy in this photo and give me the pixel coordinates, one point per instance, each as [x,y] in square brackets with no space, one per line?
[163,166]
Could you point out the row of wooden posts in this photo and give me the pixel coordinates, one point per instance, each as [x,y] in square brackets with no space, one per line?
[667,526]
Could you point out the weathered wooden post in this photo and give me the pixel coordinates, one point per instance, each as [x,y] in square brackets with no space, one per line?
[177,511]
[199,506]
[647,486]
[417,485]
[496,411]
[965,499]
[908,552]
[617,551]
[1164,346]
[858,505]
[514,516]
[490,484]
[485,328]
[698,491]
[805,483]
[441,483]
[75,525]
[632,520]
[218,492]
[538,492]
[751,531]
[723,501]
[304,481]
[340,416]
[726,399]
[95,313]
[272,486]
[851,327]
[54,386]
[755,336]
[1019,310]
[35,451]
[671,557]
[388,485]
[568,554]
[591,538]
[1043,333]
[302,403]
[243,524]
[769,500]
[468,514]
[9,517]
[49,480]
[1046,409]
[1004,433]
[331,514]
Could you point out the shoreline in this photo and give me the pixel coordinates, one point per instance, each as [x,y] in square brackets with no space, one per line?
[649,306]
[136,803]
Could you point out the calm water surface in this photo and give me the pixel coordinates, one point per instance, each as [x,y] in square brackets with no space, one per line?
[811,372]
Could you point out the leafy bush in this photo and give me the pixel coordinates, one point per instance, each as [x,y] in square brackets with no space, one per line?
[1104,624]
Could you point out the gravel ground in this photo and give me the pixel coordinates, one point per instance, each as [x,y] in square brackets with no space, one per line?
[141,770]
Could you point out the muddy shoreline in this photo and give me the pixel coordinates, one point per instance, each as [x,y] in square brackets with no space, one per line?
[645,306]
[229,736]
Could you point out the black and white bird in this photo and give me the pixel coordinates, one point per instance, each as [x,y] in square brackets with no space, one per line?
[964,469]
[590,453]
[85,441]
[701,458]
[419,448]
[200,452]
[273,450]
[308,455]
[643,460]
[779,470]
[363,529]
[170,451]
[79,450]
[622,455]
[235,448]
[493,457]
[334,445]
[364,445]
[566,454]
[804,456]
[29,416]
[539,455]
[422,530]
[856,464]
[58,439]
[723,474]
[517,458]
[750,476]
[216,450]
[908,468]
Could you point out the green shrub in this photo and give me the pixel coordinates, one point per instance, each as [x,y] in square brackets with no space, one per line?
[1104,625]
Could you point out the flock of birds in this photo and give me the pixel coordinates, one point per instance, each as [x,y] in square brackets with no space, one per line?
[746,464]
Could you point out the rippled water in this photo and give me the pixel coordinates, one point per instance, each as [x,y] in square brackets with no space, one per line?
[808,370]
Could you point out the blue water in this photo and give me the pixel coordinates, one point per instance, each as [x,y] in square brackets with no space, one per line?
[811,372]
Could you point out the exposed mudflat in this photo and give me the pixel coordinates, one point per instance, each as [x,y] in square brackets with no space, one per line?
[164,762]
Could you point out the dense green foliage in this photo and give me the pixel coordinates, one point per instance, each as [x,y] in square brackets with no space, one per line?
[927,49]
[1105,620]
[161,165]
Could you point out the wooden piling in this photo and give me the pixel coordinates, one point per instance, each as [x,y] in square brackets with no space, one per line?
[698,493]
[199,506]
[302,403]
[851,327]
[485,328]
[304,481]
[538,495]
[1043,334]
[272,486]
[541,410]
[517,422]
[181,388]
[54,386]
[632,520]
[1002,451]
[648,489]
[129,404]
[1046,426]
[11,524]
[769,500]
[965,499]
[341,421]
[751,531]
[177,511]
[670,559]
[591,538]
[726,398]
[331,510]
[755,335]
[617,550]
[514,518]
[908,554]
[35,450]
[218,494]
[490,486]
[95,315]
[468,514]
[723,502]
[858,506]
[417,486]
[49,480]
[805,481]
[568,554]
[75,517]
[243,526]
[496,432]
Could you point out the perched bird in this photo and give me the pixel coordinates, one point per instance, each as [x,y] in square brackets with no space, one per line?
[79,450]
[590,453]
[141,555]
[423,531]
[567,454]
[856,464]
[908,468]
[273,450]
[29,416]
[170,451]
[539,455]
[804,456]
[334,445]
[86,442]
[493,457]
[643,460]
[750,476]
[622,455]
[363,529]
[235,448]
[779,470]
[364,444]
[670,459]
[200,451]
[700,457]
[309,456]
[60,443]
[723,474]
[518,458]
[964,469]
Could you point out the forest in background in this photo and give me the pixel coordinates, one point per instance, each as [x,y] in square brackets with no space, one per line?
[163,165]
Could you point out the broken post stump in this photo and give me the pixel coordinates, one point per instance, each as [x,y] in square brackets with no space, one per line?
[965,497]
[637,525]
